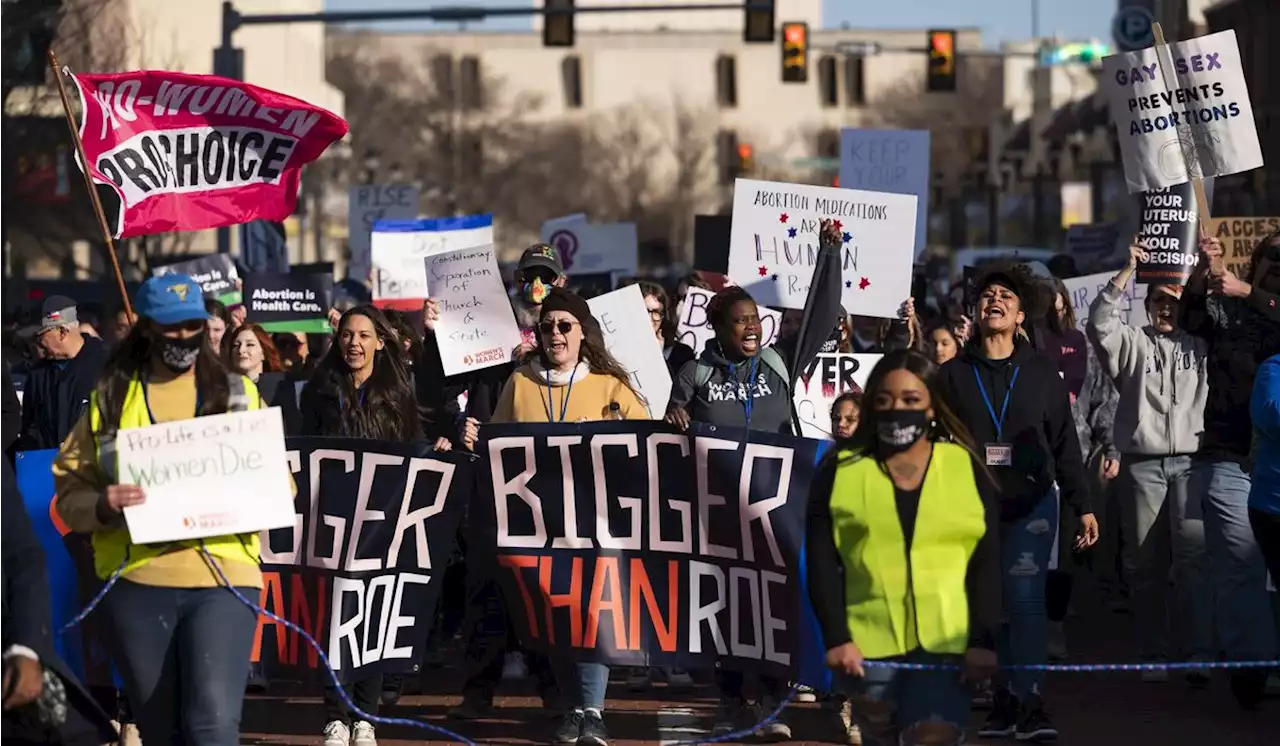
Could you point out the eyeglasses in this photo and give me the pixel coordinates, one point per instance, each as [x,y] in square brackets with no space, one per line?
[655,313]
[564,327]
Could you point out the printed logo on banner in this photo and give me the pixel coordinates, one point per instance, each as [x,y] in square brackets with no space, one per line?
[360,566]
[774,244]
[637,544]
[189,152]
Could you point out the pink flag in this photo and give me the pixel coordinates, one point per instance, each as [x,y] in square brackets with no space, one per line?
[191,152]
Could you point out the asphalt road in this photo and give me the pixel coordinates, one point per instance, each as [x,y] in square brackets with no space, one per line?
[1111,709]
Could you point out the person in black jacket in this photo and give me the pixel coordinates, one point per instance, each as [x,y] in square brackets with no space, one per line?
[12,410]
[1018,408]
[58,387]
[29,657]
[1240,319]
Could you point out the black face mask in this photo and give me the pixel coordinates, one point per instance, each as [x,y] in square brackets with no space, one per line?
[178,355]
[899,429]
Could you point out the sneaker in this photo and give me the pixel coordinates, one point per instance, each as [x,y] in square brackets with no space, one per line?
[570,729]
[730,717]
[805,693]
[775,729]
[1002,721]
[336,734]
[678,678]
[983,698]
[391,685]
[1198,678]
[471,708]
[362,734]
[842,713]
[514,668]
[1034,725]
[1155,676]
[638,678]
[1057,641]
[593,730]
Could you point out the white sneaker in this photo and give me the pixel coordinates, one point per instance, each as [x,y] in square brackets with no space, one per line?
[362,734]
[514,668]
[805,693]
[336,734]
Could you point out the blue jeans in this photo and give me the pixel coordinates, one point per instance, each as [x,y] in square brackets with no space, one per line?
[184,656]
[1025,546]
[581,685]
[1237,571]
[1163,530]
[916,696]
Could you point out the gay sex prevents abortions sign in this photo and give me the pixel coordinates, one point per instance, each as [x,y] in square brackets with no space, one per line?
[190,152]
[637,544]
[360,563]
[1182,111]
[773,244]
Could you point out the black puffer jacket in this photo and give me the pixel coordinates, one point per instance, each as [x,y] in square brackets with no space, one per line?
[57,394]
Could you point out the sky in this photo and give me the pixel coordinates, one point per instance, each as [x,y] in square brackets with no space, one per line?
[1000,20]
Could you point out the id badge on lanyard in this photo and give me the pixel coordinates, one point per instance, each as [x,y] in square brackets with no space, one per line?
[998,453]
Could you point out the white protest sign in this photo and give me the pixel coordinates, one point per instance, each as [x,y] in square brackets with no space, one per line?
[1182,111]
[366,205]
[587,249]
[209,476]
[629,337]
[694,325]
[822,382]
[263,247]
[1083,290]
[477,328]
[400,247]
[893,161]
[773,244]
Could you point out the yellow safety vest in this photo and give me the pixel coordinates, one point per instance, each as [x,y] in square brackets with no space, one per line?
[899,601]
[112,546]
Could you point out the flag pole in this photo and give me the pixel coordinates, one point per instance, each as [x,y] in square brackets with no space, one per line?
[1197,183]
[88,180]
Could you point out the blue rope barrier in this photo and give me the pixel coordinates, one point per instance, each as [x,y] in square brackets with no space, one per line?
[734,736]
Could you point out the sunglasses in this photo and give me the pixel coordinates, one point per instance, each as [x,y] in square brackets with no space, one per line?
[528,276]
[564,327]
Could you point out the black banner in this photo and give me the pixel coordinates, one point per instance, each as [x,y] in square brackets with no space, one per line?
[215,273]
[637,544]
[362,567]
[1169,230]
[288,302]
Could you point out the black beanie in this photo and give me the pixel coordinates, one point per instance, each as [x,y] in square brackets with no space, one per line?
[570,302]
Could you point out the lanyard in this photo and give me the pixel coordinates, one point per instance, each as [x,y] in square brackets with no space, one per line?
[146,399]
[564,403]
[986,399]
[749,403]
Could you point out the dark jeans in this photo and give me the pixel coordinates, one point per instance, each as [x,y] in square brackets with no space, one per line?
[184,656]
[364,694]
[488,639]
[1266,530]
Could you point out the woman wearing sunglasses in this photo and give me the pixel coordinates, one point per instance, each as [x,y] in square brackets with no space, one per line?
[569,377]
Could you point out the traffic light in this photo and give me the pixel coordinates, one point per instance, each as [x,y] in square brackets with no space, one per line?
[1090,53]
[746,158]
[795,52]
[29,29]
[758,27]
[941,75]
[557,28]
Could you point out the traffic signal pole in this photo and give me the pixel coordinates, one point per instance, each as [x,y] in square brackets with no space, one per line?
[228,60]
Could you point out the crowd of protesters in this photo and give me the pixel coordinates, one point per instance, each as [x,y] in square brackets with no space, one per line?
[993,447]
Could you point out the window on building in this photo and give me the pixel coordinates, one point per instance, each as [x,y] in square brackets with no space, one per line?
[855,92]
[571,77]
[471,83]
[442,76]
[726,81]
[828,83]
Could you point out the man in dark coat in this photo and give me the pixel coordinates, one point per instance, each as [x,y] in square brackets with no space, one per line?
[58,388]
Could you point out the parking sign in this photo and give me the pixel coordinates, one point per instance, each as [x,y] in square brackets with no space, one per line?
[1131,28]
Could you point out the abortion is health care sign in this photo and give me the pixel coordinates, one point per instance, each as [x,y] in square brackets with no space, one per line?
[773,245]
[1182,111]
[208,476]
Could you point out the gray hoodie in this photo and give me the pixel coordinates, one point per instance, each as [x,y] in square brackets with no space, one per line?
[1162,381]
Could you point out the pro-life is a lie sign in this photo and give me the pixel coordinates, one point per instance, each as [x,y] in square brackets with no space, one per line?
[208,476]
